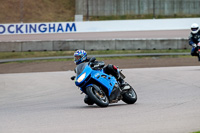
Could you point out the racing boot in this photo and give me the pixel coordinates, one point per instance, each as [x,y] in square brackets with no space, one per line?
[87,100]
[123,85]
[121,82]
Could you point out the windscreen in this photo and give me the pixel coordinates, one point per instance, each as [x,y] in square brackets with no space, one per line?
[80,68]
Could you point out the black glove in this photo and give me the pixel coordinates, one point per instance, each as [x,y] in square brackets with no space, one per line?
[73,77]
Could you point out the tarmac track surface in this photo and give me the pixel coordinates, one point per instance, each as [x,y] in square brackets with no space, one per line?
[49,102]
[169,34]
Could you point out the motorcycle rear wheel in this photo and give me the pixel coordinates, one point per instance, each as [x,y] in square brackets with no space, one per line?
[130,96]
[97,96]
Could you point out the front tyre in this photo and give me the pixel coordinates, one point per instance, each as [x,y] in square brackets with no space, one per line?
[130,96]
[97,96]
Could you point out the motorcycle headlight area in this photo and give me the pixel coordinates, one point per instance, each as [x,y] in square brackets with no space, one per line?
[81,77]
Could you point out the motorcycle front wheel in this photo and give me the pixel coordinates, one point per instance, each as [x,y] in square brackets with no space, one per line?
[97,96]
[130,96]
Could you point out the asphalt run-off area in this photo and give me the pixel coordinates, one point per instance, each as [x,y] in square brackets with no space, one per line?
[49,102]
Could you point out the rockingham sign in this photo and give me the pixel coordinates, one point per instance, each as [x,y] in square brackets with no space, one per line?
[94,26]
[98,26]
[35,28]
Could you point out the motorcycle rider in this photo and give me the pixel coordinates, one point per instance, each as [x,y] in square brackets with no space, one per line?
[80,56]
[194,38]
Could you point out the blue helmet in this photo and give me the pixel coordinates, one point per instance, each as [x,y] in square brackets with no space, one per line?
[80,56]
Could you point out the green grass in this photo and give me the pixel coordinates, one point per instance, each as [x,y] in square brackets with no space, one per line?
[104,58]
[37,11]
[32,11]
[196,132]
[50,60]
[13,55]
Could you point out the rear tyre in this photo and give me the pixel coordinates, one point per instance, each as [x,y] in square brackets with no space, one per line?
[130,96]
[97,96]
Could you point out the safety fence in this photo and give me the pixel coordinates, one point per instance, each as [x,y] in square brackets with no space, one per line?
[137,7]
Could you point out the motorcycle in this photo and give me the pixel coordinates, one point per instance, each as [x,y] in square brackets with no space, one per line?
[101,88]
[198,50]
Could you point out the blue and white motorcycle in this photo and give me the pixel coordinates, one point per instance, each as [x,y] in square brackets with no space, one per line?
[100,87]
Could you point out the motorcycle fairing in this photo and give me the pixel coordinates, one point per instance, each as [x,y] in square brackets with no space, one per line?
[99,76]
[88,71]
[107,81]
